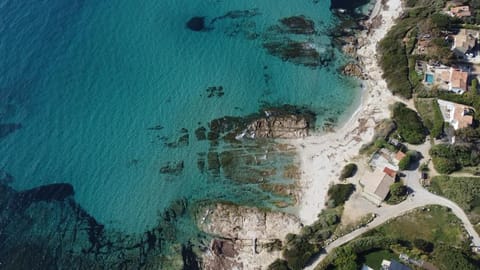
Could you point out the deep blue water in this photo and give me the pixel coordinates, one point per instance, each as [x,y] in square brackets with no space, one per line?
[93,92]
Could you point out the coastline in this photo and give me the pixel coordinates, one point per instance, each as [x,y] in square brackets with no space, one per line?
[322,156]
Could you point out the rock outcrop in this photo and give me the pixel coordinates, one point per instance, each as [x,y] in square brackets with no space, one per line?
[273,122]
[282,126]
[353,69]
[246,235]
[240,222]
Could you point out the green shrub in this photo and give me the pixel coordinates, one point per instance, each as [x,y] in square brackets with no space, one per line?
[340,193]
[394,61]
[348,171]
[409,124]
[449,158]
[298,251]
[278,264]
[465,191]
[441,21]
[405,162]
[450,258]
[423,245]
[398,189]
[437,130]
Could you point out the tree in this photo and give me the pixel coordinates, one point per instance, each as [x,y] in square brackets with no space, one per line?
[451,258]
[441,21]
[345,258]
[278,264]
[348,171]
[405,162]
[474,86]
[398,189]
[410,125]
[423,245]
[340,193]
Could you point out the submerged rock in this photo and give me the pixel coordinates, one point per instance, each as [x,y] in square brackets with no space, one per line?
[213,91]
[298,25]
[182,141]
[6,129]
[299,52]
[196,24]
[201,133]
[236,14]
[157,127]
[53,192]
[173,168]
[58,231]
[190,259]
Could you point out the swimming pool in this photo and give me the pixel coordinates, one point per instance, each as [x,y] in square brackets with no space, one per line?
[429,78]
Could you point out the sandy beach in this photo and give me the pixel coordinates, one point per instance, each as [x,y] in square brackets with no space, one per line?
[322,156]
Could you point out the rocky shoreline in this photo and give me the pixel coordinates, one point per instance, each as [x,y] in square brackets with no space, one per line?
[244,236]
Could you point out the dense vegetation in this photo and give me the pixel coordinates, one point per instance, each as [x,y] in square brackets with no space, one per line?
[405,162]
[448,158]
[420,234]
[409,125]
[465,191]
[339,193]
[451,258]
[397,61]
[431,115]
[394,61]
[348,171]
[300,248]
[398,193]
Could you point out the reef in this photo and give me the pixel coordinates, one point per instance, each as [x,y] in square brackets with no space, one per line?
[241,148]
[173,168]
[182,141]
[57,233]
[299,52]
[298,25]
[294,40]
[53,192]
[215,91]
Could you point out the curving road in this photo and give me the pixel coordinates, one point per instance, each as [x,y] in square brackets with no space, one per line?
[421,197]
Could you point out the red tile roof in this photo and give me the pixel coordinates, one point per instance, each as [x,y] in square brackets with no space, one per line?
[390,172]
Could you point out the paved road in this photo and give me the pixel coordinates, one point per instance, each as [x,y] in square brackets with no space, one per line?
[421,197]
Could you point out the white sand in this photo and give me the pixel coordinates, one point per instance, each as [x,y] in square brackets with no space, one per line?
[323,156]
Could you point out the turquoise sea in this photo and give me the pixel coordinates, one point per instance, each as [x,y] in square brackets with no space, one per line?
[98,94]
